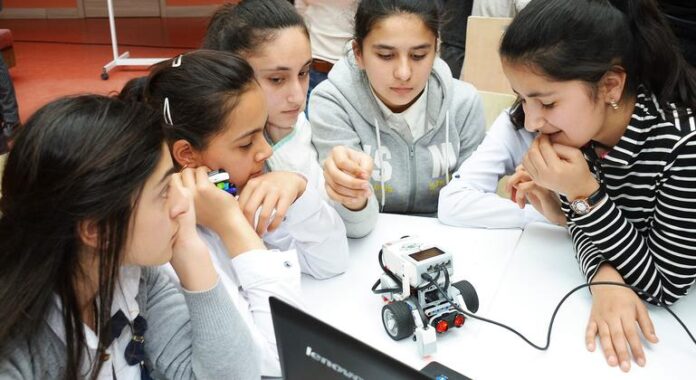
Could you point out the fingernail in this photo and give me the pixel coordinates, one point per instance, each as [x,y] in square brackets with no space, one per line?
[590,347]
[612,360]
[641,362]
[625,366]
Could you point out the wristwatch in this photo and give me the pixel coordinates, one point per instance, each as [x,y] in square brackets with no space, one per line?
[583,206]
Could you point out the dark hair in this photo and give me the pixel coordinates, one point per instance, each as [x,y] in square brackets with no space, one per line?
[133,90]
[584,39]
[202,88]
[370,12]
[77,159]
[243,28]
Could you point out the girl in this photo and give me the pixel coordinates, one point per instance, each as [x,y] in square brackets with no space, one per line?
[273,38]
[470,199]
[613,101]
[391,98]
[214,117]
[90,208]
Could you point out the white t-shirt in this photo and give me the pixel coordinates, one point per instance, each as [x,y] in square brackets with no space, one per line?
[330,24]
[498,8]
[411,121]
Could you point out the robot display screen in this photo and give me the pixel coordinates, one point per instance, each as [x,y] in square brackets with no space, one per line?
[428,253]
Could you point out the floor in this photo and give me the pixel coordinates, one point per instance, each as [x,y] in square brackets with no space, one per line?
[63,57]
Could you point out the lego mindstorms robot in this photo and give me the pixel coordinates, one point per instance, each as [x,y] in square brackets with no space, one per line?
[415,281]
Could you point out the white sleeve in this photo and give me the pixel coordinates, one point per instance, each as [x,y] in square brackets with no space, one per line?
[263,274]
[313,227]
[470,199]
[359,223]
[250,278]
[295,153]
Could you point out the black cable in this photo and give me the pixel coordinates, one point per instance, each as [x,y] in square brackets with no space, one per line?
[389,273]
[429,278]
[397,280]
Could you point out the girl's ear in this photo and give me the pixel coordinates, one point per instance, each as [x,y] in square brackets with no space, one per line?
[613,84]
[358,54]
[185,155]
[89,233]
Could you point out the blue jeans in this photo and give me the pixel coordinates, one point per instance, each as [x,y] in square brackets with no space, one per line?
[315,78]
[8,101]
[9,114]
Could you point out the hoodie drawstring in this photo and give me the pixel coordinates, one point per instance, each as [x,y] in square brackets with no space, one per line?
[447,145]
[381,166]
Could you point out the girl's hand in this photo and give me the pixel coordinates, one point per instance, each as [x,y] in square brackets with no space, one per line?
[520,177]
[215,209]
[190,258]
[347,174]
[271,191]
[560,168]
[523,189]
[617,314]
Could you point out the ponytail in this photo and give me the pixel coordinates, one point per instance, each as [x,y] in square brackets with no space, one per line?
[660,65]
[584,39]
[194,93]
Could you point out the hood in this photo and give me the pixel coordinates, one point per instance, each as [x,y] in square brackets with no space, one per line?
[352,82]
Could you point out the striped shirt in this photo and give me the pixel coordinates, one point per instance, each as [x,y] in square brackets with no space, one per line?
[646,225]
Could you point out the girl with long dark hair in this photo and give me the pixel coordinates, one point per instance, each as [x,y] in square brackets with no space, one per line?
[91,206]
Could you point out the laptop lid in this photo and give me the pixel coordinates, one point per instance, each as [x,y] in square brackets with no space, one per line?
[311,349]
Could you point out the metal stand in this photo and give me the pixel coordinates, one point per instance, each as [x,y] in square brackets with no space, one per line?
[122,59]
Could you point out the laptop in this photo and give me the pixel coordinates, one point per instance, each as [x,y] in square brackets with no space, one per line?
[311,349]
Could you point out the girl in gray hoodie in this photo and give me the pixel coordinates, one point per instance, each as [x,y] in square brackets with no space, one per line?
[391,123]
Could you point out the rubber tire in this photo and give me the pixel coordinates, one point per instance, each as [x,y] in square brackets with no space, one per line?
[468,294]
[403,317]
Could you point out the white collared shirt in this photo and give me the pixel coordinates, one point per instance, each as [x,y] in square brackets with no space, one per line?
[115,363]
[412,121]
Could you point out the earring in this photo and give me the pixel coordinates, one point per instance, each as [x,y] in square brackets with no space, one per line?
[614,105]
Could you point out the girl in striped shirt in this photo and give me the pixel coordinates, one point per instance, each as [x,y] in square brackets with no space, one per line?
[614,104]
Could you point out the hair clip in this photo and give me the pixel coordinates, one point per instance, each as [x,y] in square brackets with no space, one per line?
[177,61]
[167,113]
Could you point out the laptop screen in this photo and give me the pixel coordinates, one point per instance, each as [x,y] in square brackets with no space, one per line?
[311,349]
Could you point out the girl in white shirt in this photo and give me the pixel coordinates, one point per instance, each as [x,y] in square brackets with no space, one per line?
[470,199]
[214,116]
[273,38]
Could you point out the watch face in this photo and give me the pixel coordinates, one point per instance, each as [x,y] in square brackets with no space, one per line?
[580,207]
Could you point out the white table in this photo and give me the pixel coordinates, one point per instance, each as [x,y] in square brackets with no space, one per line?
[519,278]
[542,269]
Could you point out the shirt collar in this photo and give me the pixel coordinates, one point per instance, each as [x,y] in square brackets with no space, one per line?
[124,299]
[412,115]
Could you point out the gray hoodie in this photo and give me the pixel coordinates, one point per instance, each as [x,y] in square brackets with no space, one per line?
[408,175]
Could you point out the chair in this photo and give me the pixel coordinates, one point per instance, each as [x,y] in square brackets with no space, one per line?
[493,104]
[482,66]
